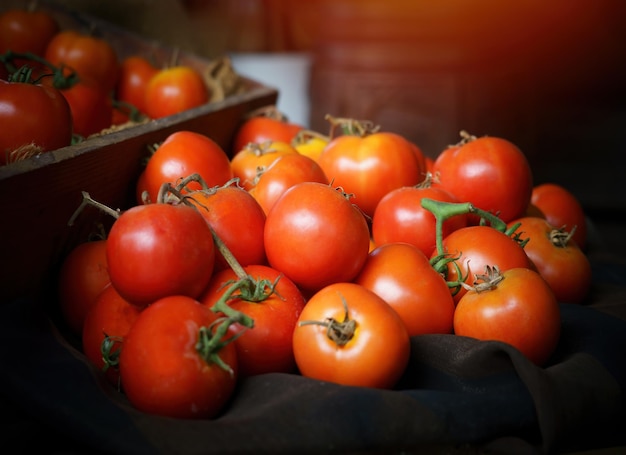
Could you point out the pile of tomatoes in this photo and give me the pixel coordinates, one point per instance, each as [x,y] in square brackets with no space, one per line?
[76,80]
[320,255]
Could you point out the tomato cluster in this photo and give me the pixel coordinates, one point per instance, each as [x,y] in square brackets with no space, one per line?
[77,81]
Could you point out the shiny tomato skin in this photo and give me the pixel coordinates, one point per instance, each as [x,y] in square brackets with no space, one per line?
[156,250]
[562,209]
[174,89]
[400,217]
[182,154]
[94,59]
[237,219]
[83,275]
[490,172]
[375,356]
[135,73]
[315,236]
[564,266]
[260,129]
[371,166]
[24,30]
[111,316]
[22,106]
[246,163]
[521,311]
[476,247]
[161,371]
[282,174]
[266,347]
[402,276]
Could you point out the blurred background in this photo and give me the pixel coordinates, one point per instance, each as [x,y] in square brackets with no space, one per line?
[547,75]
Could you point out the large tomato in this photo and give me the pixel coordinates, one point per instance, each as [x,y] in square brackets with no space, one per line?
[237,219]
[83,275]
[135,73]
[174,89]
[268,126]
[562,209]
[558,259]
[348,335]
[315,236]
[371,166]
[402,276]
[520,310]
[400,217]
[182,154]
[266,347]
[474,248]
[94,59]
[163,367]
[254,157]
[160,249]
[490,172]
[26,30]
[22,107]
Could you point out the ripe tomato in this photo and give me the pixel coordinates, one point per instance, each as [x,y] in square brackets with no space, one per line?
[91,108]
[520,310]
[348,335]
[182,154]
[371,166]
[490,172]
[246,163]
[110,317]
[135,73]
[156,250]
[558,259]
[402,276]
[562,209]
[94,59]
[173,90]
[237,219]
[282,174]
[25,30]
[266,347]
[476,247]
[22,106]
[271,126]
[162,366]
[400,217]
[83,275]
[315,236]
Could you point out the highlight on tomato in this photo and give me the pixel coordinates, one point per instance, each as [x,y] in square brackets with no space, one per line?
[516,306]
[173,90]
[348,335]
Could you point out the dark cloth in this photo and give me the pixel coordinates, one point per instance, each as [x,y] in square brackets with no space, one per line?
[458,395]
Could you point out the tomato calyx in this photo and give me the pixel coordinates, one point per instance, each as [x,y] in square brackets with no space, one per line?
[340,332]
[111,350]
[305,135]
[63,77]
[486,281]
[350,126]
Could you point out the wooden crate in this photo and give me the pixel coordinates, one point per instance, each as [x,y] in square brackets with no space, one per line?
[39,195]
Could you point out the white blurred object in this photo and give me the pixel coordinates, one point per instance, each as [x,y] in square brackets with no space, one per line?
[288,72]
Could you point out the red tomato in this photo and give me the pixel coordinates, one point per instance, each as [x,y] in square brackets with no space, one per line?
[267,347]
[22,106]
[402,276]
[558,259]
[156,250]
[260,129]
[182,154]
[110,317]
[91,108]
[476,247]
[246,163]
[237,219]
[173,90]
[82,277]
[315,236]
[162,366]
[491,173]
[135,73]
[367,344]
[94,59]
[400,217]
[562,209]
[520,310]
[371,166]
[282,174]
[23,31]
